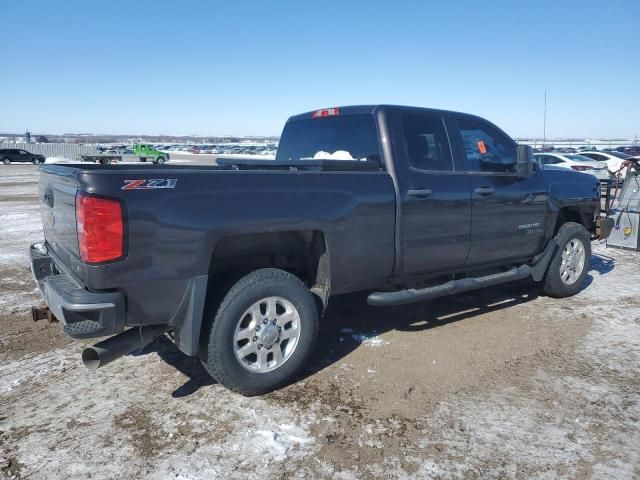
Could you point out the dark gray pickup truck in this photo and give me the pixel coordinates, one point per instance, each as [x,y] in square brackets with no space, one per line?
[236,262]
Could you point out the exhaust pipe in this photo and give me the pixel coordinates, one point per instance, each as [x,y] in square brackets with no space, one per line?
[115,347]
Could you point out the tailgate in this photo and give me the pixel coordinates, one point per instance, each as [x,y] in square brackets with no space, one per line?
[57,198]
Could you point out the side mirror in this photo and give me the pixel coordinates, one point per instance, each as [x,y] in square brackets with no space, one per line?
[524,161]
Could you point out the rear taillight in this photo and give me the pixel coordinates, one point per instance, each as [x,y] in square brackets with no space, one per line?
[579,168]
[100,228]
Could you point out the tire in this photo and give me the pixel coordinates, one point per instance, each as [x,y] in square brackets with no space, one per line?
[36,161]
[105,161]
[159,160]
[240,314]
[571,262]
[6,161]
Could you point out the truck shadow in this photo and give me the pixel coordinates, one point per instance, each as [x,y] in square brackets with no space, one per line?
[350,321]
[188,366]
[602,264]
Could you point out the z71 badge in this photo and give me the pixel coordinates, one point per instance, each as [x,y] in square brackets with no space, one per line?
[151,184]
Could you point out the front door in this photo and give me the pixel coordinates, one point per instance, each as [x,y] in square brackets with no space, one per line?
[23,156]
[436,201]
[508,212]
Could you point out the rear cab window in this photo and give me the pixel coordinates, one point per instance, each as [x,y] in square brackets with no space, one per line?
[340,137]
[426,142]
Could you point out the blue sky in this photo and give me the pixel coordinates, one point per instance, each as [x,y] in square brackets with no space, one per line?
[243,67]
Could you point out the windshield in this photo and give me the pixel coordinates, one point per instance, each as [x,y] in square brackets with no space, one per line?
[348,137]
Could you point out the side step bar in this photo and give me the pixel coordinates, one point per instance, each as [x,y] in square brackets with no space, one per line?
[453,286]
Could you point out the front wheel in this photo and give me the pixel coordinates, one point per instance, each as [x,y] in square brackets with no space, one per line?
[263,333]
[160,160]
[6,161]
[571,262]
[36,161]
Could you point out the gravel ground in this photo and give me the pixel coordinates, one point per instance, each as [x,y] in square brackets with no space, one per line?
[500,383]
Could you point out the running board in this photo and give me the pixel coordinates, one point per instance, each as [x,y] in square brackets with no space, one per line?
[453,286]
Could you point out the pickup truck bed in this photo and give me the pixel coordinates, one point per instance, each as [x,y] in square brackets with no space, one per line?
[418,198]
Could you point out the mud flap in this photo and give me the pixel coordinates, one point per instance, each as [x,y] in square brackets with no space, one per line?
[541,262]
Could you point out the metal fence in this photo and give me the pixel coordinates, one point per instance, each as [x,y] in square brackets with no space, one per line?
[63,150]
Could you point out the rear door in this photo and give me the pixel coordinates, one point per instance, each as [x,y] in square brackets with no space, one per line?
[436,200]
[508,212]
[14,154]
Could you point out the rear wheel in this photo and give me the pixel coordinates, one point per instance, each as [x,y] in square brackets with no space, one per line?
[6,161]
[571,262]
[105,161]
[262,334]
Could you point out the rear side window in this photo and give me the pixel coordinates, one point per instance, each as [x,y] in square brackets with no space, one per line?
[348,137]
[427,142]
[595,156]
[487,149]
[550,160]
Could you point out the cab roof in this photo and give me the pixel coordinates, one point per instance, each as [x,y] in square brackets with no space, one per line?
[366,110]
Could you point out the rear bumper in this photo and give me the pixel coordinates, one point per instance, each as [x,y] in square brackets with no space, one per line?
[85,314]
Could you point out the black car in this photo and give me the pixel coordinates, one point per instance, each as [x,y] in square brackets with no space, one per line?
[632,150]
[8,155]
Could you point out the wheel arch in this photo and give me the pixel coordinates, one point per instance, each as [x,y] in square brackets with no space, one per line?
[303,253]
[582,214]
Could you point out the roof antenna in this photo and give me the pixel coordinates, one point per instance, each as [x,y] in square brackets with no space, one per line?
[544,122]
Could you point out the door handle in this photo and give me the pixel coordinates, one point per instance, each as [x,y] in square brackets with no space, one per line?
[485,191]
[420,192]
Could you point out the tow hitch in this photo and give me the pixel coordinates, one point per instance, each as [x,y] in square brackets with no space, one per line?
[39,313]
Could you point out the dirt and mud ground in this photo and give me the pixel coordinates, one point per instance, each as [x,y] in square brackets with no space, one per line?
[501,383]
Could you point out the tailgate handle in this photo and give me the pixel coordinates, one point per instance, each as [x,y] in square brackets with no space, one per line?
[420,192]
[48,197]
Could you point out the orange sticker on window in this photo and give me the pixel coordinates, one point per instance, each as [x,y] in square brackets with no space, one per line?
[482,148]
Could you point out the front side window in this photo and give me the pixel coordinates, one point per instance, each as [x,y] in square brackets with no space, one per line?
[487,149]
[427,143]
[347,137]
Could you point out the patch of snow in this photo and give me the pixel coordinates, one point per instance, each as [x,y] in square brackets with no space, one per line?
[124,415]
[551,438]
[31,367]
[370,339]
[60,160]
[337,155]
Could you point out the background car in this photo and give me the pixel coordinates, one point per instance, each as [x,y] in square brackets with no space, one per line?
[614,160]
[573,161]
[633,150]
[8,155]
